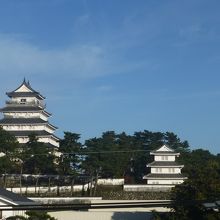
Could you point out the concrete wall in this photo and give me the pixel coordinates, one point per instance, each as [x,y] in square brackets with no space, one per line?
[135,213]
[54,189]
[76,188]
[107,215]
[111,182]
[165,181]
[6,214]
[65,200]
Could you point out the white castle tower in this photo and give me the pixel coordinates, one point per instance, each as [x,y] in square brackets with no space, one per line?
[25,114]
[165,171]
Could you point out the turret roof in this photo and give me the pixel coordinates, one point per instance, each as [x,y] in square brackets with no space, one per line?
[21,121]
[24,108]
[27,133]
[164,164]
[25,90]
[165,149]
[165,176]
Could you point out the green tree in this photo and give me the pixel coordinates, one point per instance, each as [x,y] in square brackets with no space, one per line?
[173,141]
[16,217]
[6,165]
[203,184]
[39,215]
[8,143]
[108,154]
[37,157]
[9,148]
[122,153]
[69,147]
[146,141]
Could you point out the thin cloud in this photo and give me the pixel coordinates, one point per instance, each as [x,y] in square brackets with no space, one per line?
[81,61]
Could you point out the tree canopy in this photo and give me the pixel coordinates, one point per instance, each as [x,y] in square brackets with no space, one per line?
[69,147]
[203,185]
[111,155]
[117,155]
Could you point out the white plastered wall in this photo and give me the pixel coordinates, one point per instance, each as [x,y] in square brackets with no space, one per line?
[25,115]
[28,128]
[165,181]
[165,170]
[164,158]
[24,140]
[23,88]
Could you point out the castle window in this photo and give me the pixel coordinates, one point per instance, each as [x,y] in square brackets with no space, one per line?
[155,182]
[23,101]
[171,170]
[158,170]
[164,157]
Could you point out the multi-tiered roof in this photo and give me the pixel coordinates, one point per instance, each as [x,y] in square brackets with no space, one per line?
[164,169]
[25,114]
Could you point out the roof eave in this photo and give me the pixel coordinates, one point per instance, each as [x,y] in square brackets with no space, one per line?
[34,94]
[52,126]
[163,153]
[161,178]
[46,113]
[55,137]
[27,84]
[165,166]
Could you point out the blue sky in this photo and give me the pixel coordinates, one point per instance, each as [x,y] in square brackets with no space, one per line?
[118,65]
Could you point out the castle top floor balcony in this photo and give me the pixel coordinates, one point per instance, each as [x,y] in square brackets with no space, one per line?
[25,103]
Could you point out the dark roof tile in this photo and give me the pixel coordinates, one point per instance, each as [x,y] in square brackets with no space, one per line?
[37,133]
[15,198]
[27,133]
[25,94]
[164,164]
[164,152]
[22,121]
[21,108]
[164,176]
